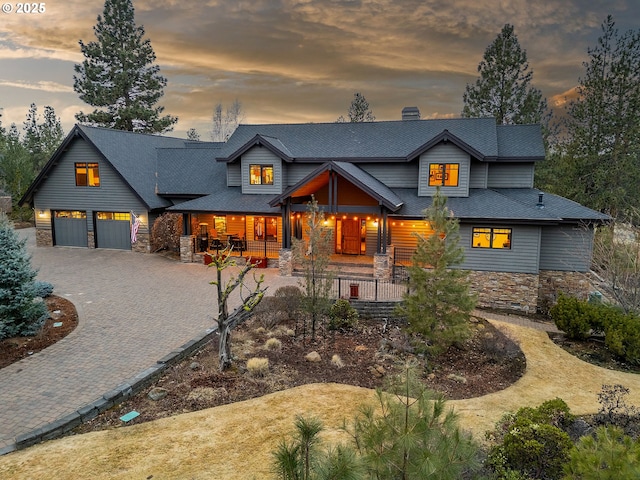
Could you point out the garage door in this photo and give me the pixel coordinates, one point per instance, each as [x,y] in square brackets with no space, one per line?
[113,230]
[70,228]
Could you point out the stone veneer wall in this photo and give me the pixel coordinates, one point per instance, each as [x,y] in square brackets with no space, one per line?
[503,290]
[187,243]
[91,240]
[552,282]
[44,238]
[285,262]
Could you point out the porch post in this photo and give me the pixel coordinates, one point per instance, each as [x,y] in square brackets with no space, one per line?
[286,224]
[384,231]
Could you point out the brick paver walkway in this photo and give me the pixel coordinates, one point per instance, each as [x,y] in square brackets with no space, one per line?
[133,308]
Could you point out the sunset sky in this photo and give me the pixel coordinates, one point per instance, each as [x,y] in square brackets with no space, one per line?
[292,61]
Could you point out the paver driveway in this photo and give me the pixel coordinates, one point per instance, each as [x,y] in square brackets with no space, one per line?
[134,309]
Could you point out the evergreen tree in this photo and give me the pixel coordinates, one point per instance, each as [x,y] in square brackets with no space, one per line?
[21,311]
[16,170]
[118,75]
[41,138]
[193,135]
[503,90]
[411,434]
[599,163]
[438,304]
[359,110]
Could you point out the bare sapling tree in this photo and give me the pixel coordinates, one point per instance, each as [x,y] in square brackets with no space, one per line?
[616,259]
[250,297]
[313,252]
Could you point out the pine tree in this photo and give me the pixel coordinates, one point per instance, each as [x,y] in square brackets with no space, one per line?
[21,312]
[16,169]
[438,304]
[503,90]
[359,110]
[599,164]
[41,138]
[119,77]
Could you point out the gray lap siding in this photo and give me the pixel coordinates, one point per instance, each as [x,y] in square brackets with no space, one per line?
[60,192]
[522,257]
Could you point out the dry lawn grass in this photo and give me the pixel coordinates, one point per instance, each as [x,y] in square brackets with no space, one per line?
[234,441]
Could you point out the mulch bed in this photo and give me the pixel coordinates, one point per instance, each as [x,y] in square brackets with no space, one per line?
[62,311]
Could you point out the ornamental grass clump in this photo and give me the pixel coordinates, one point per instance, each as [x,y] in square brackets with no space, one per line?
[273,344]
[258,366]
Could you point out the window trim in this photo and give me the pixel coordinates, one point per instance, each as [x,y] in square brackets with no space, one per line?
[442,181]
[494,233]
[261,178]
[84,177]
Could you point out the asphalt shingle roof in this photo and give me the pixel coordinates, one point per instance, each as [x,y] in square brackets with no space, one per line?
[384,140]
[508,204]
[134,156]
[189,171]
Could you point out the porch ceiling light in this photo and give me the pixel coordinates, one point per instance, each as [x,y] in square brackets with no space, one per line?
[41,213]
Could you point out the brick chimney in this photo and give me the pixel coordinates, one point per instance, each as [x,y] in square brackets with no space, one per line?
[410,113]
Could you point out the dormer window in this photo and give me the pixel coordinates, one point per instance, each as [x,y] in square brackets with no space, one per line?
[444,174]
[261,174]
[87,175]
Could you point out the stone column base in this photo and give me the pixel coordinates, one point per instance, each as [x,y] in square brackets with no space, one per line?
[382,266]
[44,238]
[285,262]
[187,247]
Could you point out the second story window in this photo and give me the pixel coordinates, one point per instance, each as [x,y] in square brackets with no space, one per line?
[443,174]
[87,175]
[261,174]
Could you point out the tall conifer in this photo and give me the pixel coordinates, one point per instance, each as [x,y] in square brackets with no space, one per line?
[118,75]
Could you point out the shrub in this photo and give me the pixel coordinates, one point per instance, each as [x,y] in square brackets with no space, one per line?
[609,454]
[342,316]
[21,310]
[42,289]
[578,319]
[273,344]
[614,409]
[531,442]
[572,317]
[268,313]
[622,337]
[288,300]
[258,366]
[166,232]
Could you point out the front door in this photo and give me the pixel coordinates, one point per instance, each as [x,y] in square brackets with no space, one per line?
[351,237]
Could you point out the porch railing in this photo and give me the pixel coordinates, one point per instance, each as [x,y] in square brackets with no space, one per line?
[365,289]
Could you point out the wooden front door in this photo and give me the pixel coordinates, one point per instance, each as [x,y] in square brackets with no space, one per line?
[351,237]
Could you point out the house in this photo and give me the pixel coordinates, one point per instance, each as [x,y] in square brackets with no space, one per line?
[373,181]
